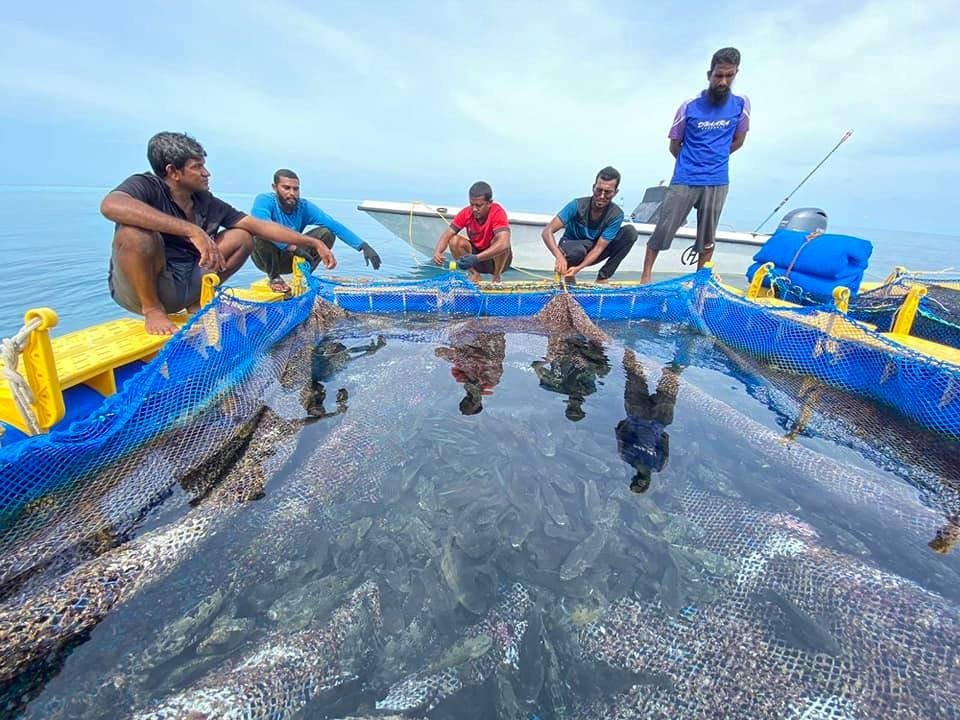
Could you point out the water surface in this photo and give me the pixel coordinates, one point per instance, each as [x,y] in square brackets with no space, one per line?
[483,521]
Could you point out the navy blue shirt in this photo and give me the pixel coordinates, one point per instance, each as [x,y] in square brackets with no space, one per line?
[642,443]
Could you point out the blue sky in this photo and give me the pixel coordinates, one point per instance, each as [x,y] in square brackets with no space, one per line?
[416,100]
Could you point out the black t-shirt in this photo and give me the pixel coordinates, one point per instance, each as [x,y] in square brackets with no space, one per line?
[210,212]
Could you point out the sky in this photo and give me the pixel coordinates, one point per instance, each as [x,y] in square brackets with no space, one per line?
[416,100]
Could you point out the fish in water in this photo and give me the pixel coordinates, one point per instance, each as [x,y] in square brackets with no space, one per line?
[798,629]
[494,640]
[877,620]
[47,615]
[40,622]
[284,672]
[354,460]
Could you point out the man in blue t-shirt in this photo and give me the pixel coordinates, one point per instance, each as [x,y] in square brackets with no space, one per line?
[705,131]
[642,438]
[285,206]
[593,230]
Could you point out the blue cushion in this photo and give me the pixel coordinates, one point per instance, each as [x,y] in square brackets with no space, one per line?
[828,256]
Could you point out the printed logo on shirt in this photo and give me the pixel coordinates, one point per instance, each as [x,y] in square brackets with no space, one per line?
[712,124]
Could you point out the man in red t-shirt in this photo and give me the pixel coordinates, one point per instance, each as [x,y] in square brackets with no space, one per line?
[486,249]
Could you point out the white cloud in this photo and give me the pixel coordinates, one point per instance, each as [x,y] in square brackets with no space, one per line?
[541,93]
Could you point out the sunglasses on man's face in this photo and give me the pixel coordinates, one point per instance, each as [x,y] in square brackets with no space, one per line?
[601,192]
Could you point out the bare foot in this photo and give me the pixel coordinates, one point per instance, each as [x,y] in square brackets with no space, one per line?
[497,278]
[278,285]
[645,279]
[156,322]
[474,276]
[602,281]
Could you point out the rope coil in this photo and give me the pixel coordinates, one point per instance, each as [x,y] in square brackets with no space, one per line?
[10,350]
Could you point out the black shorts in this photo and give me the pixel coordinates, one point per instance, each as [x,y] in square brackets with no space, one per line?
[178,286]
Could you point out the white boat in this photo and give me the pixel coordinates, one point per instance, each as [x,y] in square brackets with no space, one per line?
[419,225]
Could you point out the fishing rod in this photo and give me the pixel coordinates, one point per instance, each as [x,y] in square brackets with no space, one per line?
[846,136]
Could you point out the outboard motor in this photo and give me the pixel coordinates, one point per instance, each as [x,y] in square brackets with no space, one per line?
[805,219]
[809,262]
[648,211]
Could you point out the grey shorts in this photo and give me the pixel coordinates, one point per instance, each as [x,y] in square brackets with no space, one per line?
[679,201]
[178,286]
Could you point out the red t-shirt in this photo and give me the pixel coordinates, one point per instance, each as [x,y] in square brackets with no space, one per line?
[481,235]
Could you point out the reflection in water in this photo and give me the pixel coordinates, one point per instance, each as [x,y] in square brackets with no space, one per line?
[641,436]
[810,408]
[946,537]
[327,359]
[391,574]
[571,368]
[477,361]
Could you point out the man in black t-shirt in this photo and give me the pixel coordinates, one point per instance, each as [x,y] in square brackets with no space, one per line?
[170,229]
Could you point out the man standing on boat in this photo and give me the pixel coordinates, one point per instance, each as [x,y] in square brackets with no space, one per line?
[642,438]
[486,249]
[593,230]
[168,232]
[705,131]
[285,206]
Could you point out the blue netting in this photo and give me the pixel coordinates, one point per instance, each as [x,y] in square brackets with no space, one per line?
[453,294]
[224,343]
[217,349]
[815,340]
[822,343]
[938,317]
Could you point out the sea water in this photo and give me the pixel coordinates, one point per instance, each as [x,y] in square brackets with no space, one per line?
[486,522]
[55,246]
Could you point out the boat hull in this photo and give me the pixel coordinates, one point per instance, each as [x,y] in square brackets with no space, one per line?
[419,225]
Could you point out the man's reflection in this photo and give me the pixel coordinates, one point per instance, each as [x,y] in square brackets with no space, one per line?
[327,359]
[571,368]
[477,360]
[946,537]
[641,436]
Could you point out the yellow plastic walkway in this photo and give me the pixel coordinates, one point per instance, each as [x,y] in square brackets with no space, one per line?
[90,356]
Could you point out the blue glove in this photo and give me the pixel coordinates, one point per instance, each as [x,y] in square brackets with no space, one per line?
[467,262]
[370,256]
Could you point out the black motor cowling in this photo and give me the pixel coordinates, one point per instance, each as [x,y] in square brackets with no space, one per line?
[805,220]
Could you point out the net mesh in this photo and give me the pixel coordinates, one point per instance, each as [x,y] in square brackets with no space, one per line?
[179,420]
[938,317]
[351,520]
[166,424]
[816,340]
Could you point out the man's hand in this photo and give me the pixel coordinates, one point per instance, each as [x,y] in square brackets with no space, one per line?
[326,257]
[560,266]
[572,272]
[438,258]
[467,262]
[370,256]
[211,258]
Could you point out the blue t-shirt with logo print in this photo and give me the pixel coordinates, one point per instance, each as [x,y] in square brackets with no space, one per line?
[706,132]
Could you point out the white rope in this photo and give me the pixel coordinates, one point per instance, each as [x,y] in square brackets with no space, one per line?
[10,350]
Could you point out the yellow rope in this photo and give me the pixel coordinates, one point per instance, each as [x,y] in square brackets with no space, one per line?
[23,397]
